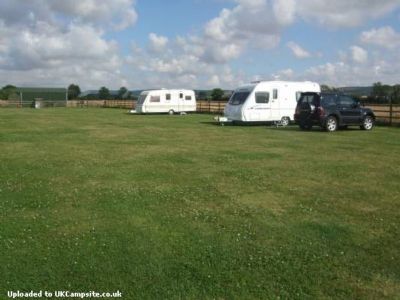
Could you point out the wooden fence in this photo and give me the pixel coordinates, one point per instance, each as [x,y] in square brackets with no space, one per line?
[386,113]
[211,107]
[129,104]
[31,104]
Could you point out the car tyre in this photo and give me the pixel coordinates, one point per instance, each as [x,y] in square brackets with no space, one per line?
[368,123]
[331,124]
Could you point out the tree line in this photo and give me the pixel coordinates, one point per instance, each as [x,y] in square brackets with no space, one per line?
[380,93]
[383,93]
[74,92]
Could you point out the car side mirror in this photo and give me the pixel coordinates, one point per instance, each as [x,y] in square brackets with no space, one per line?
[357,104]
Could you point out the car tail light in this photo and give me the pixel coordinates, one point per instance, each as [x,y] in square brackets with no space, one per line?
[297,112]
[321,111]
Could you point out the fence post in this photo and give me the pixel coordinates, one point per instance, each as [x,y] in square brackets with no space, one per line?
[391,111]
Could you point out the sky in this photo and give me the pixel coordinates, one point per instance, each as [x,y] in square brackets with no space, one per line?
[198,44]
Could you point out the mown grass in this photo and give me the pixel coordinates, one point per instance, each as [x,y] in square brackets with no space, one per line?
[174,207]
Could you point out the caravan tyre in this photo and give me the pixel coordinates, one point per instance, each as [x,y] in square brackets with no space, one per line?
[171,112]
[285,121]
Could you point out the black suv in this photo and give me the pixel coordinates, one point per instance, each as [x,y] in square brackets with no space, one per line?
[331,111]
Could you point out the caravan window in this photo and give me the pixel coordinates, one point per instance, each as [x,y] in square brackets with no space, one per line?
[155,99]
[141,99]
[180,96]
[239,98]
[275,96]
[262,97]
[168,97]
[188,98]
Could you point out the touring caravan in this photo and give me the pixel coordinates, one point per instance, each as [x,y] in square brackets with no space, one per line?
[166,101]
[267,101]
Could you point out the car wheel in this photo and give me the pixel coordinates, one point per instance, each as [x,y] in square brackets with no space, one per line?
[368,123]
[285,121]
[331,124]
[171,112]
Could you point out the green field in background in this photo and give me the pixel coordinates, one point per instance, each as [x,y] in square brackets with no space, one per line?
[162,207]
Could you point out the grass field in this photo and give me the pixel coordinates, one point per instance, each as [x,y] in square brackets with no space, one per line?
[174,207]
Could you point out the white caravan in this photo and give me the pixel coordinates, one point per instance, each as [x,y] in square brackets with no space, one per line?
[166,101]
[267,101]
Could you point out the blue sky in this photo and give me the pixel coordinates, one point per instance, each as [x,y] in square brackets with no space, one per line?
[198,43]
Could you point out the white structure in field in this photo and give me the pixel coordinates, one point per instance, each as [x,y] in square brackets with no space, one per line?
[267,101]
[166,101]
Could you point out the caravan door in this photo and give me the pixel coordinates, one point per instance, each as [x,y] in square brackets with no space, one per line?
[275,105]
[181,101]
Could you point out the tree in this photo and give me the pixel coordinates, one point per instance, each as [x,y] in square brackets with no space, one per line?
[7,91]
[104,93]
[396,93]
[73,91]
[122,92]
[381,90]
[327,88]
[217,94]
[129,96]
[202,95]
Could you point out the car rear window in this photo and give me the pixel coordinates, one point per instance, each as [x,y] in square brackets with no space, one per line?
[309,98]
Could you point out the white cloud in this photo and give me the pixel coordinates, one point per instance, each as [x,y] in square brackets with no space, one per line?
[358,54]
[344,13]
[385,37]
[352,72]
[298,51]
[45,42]
[250,24]
[286,74]
[120,14]
[158,43]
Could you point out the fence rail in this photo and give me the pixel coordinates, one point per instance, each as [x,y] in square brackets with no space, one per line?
[213,107]
[130,104]
[27,104]
[385,113]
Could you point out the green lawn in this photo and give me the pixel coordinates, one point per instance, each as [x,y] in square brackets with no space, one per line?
[174,207]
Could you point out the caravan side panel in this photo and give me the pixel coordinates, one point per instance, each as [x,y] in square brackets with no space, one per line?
[163,101]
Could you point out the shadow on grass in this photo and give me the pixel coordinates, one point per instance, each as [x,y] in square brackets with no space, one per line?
[213,123]
[237,124]
[314,129]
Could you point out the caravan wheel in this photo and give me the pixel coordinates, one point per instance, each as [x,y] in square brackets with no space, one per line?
[285,121]
[171,112]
